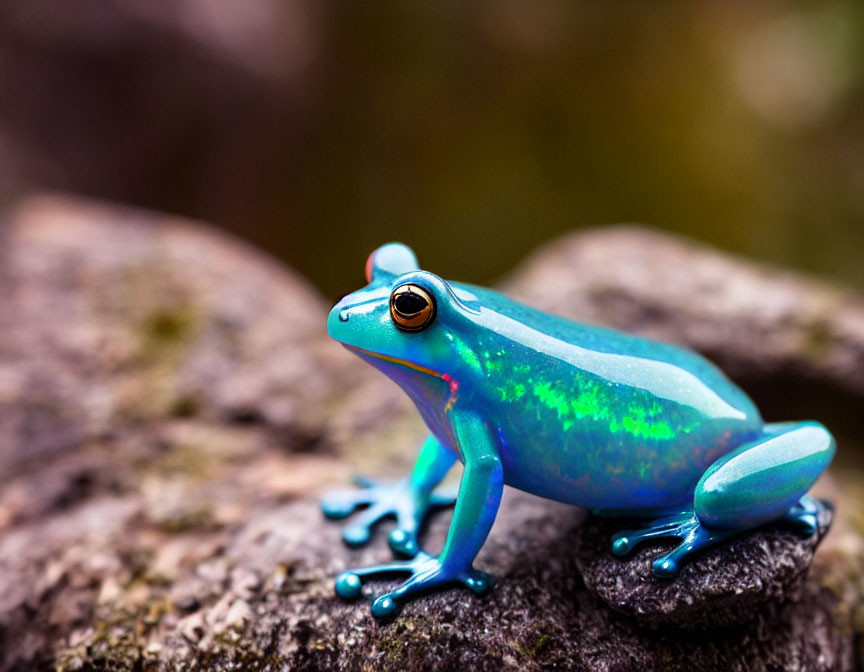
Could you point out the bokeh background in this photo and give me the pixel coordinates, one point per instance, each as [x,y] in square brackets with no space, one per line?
[473,131]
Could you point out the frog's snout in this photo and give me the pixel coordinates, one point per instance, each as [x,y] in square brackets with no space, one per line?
[343,323]
[355,317]
[339,314]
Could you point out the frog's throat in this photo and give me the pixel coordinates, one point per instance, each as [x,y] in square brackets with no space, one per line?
[396,360]
[452,383]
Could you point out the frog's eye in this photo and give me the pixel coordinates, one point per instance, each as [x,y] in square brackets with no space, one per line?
[412,308]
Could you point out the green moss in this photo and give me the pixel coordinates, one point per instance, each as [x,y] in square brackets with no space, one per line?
[139,562]
[406,641]
[184,459]
[116,643]
[168,325]
[165,332]
[186,519]
[185,407]
[160,340]
[817,343]
[536,642]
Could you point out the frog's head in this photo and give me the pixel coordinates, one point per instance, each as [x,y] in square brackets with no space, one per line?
[405,318]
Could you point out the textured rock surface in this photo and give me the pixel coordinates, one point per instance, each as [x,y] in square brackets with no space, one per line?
[728,586]
[170,410]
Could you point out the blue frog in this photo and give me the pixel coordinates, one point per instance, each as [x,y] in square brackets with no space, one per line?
[576,413]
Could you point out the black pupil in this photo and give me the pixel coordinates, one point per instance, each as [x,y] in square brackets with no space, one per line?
[410,304]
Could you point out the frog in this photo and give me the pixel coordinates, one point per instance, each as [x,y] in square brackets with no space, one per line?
[613,422]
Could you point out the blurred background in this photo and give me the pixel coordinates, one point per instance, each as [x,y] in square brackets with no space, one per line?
[473,132]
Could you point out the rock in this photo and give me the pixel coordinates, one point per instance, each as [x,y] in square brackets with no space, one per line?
[154,377]
[726,585]
[539,616]
[170,410]
[167,318]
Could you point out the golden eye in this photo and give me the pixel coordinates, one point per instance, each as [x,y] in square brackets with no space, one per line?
[412,308]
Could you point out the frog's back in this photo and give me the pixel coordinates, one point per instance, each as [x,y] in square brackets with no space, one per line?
[601,418]
[591,337]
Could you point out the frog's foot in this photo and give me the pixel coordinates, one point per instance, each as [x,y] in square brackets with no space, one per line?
[804,516]
[685,526]
[397,499]
[695,535]
[428,574]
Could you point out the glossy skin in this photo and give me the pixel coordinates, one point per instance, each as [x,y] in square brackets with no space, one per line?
[571,412]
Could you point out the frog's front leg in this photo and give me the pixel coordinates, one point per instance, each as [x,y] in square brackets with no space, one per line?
[761,481]
[409,499]
[476,506]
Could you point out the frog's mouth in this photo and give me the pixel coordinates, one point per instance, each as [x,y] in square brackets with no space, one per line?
[396,360]
[452,383]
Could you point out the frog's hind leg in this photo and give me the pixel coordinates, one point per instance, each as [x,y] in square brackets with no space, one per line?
[759,482]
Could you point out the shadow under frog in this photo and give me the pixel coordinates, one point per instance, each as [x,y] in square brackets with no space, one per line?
[581,414]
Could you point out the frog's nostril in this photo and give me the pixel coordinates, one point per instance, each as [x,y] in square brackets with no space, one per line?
[343,315]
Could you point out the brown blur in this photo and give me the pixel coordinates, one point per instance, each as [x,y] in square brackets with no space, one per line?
[473,132]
